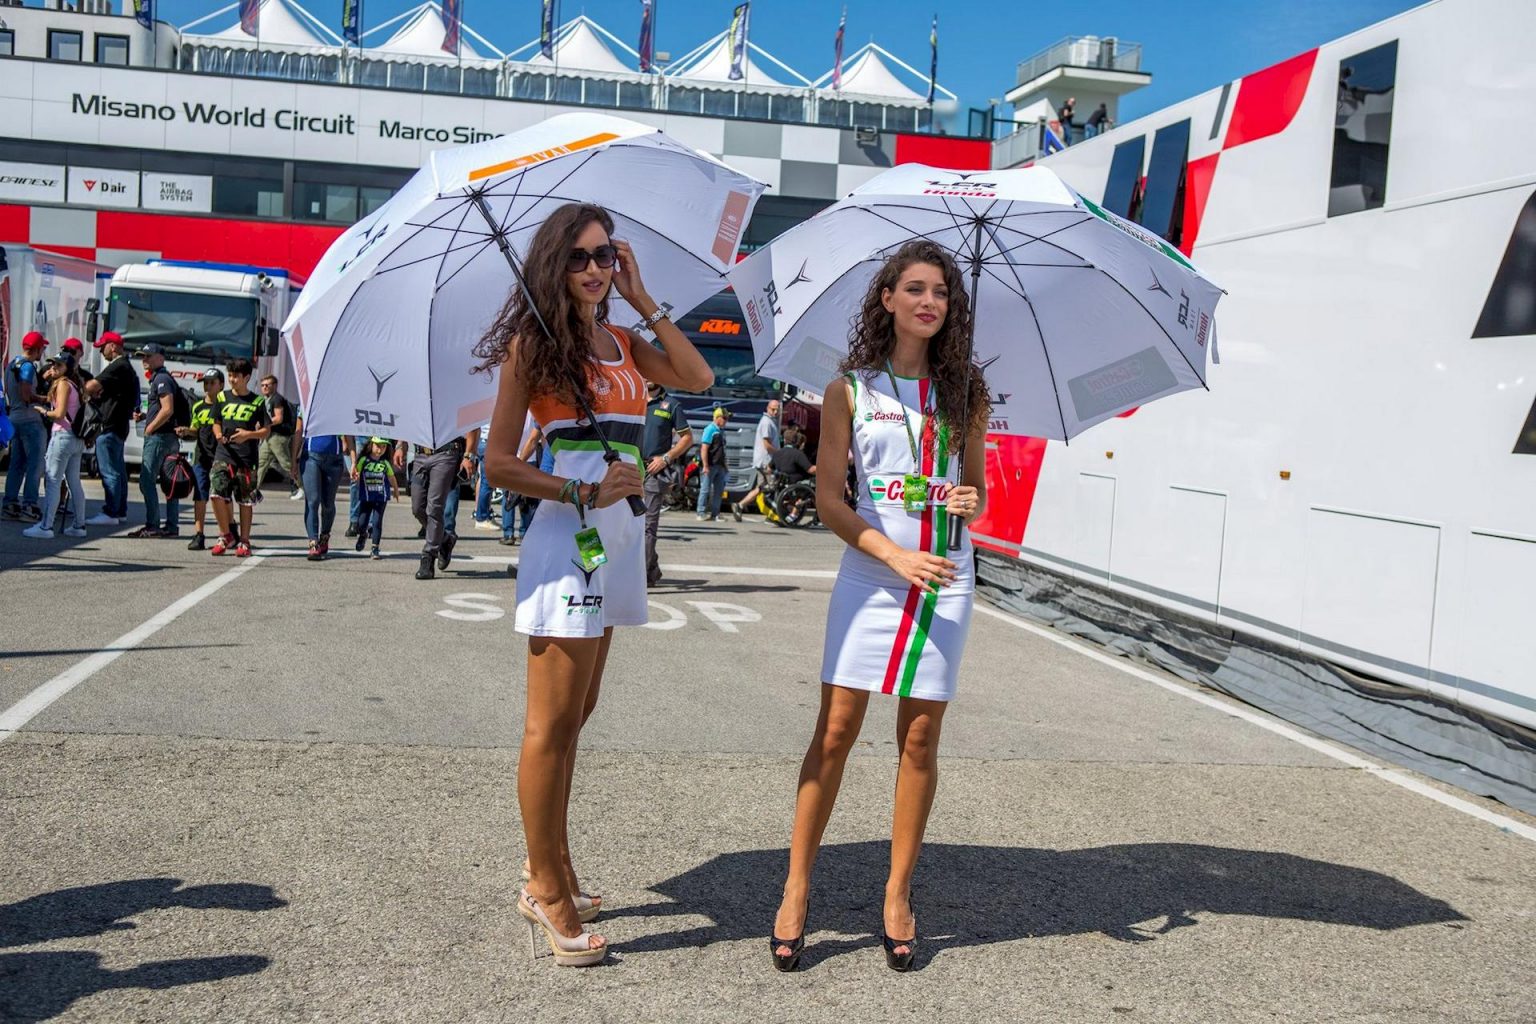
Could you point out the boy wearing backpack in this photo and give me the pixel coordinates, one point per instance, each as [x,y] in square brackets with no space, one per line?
[375,479]
[166,410]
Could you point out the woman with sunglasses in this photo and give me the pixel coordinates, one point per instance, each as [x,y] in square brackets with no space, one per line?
[582,571]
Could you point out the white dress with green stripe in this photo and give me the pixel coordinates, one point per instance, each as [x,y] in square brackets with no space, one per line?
[884,634]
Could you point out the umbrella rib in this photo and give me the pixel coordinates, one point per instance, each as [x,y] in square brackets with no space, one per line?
[439,284]
[1153,317]
[1041,238]
[1045,349]
[381,271]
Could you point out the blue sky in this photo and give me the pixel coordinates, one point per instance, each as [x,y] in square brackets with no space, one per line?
[1189,46]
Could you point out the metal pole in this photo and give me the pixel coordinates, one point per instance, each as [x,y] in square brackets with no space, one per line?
[956,524]
[636,506]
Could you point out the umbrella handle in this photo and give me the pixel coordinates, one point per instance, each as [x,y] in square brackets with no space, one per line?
[956,524]
[636,506]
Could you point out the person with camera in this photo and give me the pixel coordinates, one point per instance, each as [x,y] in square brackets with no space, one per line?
[167,409]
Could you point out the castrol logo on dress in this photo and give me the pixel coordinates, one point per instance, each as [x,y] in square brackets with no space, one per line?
[891,490]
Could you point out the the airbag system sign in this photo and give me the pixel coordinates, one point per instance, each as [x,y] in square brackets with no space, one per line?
[37,183]
[98,186]
[189,193]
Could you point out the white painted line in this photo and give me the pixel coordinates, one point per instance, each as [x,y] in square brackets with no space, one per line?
[1323,747]
[34,703]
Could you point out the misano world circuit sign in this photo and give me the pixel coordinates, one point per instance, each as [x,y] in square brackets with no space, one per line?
[283,119]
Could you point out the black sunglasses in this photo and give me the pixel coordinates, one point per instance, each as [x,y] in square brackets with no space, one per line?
[604,255]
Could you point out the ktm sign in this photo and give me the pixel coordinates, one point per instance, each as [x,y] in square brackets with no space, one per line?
[720,326]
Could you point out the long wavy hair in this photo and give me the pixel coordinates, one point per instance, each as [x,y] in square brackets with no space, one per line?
[558,366]
[960,384]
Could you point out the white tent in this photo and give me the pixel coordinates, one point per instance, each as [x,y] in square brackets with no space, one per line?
[421,34]
[283,23]
[711,63]
[867,72]
[579,47]
[870,76]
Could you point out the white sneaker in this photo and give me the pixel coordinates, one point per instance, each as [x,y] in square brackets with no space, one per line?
[75,531]
[38,532]
[102,519]
[486,524]
[295,495]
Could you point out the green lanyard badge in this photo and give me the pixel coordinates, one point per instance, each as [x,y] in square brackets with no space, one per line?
[589,546]
[914,493]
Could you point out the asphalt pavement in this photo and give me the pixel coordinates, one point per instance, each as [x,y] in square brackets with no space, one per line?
[273,790]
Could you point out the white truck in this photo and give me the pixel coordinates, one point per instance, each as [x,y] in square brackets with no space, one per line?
[203,315]
[47,292]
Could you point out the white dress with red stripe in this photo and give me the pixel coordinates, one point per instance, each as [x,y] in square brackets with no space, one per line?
[883,634]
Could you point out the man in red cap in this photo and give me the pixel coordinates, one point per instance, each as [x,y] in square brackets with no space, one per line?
[24,400]
[119,399]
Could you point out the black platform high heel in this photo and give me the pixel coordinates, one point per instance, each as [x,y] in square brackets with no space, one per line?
[796,947]
[900,961]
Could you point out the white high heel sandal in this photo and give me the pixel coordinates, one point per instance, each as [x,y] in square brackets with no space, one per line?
[569,952]
[587,907]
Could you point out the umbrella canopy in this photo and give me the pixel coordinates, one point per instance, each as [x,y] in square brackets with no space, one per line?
[1079,315]
[383,336]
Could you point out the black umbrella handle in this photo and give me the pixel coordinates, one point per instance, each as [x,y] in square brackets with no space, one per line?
[635,504]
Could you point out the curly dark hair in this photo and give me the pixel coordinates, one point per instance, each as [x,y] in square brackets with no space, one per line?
[561,365]
[874,338]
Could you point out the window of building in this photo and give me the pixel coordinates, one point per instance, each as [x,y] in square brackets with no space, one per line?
[371,198]
[1121,191]
[248,197]
[1162,206]
[1362,130]
[64,45]
[313,200]
[7,43]
[112,50]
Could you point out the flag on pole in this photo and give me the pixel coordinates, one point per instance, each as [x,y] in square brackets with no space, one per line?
[352,21]
[647,40]
[250,17]
[933,67]
[547,30]
[144,12]
[837,51]
[453,24]
[738,37]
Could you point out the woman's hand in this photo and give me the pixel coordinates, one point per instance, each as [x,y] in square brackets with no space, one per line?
[626,273]
[930,572]
[964,502]
[621,480]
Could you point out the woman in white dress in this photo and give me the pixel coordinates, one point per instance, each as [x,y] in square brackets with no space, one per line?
[906,406]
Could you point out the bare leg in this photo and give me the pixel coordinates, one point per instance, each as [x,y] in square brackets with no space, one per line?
[570,762]
[221,514]
[837,727]
[246,512]
[917,779]
[559,678]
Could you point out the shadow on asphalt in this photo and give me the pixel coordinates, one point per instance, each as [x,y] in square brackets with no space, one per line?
[966,895]
[38,986]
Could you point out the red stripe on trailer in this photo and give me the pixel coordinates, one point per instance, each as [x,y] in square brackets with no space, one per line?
[1267,100]
[1197,189]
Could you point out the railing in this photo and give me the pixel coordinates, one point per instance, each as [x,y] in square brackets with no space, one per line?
[1107,52]
[515,81]
[1017,148]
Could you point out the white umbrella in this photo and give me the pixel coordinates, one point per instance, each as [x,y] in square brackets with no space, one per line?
[1079,315]
[383,335]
